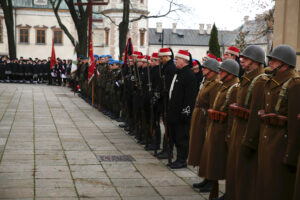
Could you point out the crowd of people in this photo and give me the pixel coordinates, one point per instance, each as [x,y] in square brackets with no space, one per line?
[35,71]
[235,119]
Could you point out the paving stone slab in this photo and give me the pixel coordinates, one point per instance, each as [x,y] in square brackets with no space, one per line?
[137,192]
[54,183]
[56,192]
[16,193]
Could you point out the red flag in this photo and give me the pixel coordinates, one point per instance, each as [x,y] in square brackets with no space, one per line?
[53,58]
[128,51]
[91,62]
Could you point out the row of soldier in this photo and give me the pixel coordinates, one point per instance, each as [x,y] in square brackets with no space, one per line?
[34,71]
[233,125]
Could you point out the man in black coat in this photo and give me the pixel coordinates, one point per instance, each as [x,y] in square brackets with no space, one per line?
[182,95]
[167,72]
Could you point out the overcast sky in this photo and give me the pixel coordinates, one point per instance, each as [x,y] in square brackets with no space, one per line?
[227,14]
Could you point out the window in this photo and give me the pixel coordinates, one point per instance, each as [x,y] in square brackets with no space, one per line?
[41,36]
[24,35]
[58,37]
[106,36]
[1,30]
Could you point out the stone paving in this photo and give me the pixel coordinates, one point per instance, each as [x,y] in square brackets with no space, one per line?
[49,143]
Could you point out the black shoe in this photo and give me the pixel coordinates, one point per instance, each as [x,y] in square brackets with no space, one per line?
[207,188]
[119,119]
[131,133]
[178,164]
[163,155]
[127,129]
[201,184]
[150,147]
[220,198]
[124,125]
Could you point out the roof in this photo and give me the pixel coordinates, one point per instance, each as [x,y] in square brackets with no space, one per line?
[189,37]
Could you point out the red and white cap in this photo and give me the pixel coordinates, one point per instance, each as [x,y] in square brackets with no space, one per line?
[195,64]
[233,50]
[154,56]
[219,59]
[145,58]
[210,55]
[130,58]
[139,58]
[165,52]
[183,54]
[136,53]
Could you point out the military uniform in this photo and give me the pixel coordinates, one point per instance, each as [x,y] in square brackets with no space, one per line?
[198,127]
[214,153]
[243,139]
[276,150]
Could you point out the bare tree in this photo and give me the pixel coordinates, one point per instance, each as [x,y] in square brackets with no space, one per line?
[79,15]
[7,8]
[127,7]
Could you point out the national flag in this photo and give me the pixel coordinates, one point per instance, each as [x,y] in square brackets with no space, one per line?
[91,62]
[53,58]
[74,62]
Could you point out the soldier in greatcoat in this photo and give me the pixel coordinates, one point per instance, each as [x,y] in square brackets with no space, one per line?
[243,139]
[214,152]
[277,149]
[204,100]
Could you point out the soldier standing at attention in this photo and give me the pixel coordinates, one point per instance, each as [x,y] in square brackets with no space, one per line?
[243,139]
[213,157]
[234,53]
[155,96]
[182,97]
[277,149]
[204,100]
[167,72]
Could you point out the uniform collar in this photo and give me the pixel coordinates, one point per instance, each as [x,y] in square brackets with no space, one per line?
[248,77]
[230,83]
[282,77]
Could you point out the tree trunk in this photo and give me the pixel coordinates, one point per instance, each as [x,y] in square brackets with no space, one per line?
[9,22]
[123,27]
[82,40]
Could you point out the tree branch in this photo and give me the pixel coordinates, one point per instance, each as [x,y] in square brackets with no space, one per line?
[62,26]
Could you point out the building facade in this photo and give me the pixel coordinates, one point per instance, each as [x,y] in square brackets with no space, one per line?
[36,26]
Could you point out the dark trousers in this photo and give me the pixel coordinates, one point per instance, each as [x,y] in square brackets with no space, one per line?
[179,134]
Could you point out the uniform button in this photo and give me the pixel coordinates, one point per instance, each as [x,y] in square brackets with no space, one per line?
[228,136]
[285,136]
[268,93]
[286,155]
[265,137]
[267,104]
[250,140]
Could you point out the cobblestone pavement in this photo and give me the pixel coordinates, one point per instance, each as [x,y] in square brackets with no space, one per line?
[49,144]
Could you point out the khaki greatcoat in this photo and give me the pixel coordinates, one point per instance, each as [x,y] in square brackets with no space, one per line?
[204,100]
[214,153]
[241,168]
[277,145]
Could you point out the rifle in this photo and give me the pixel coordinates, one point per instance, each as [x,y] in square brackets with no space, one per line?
[167,137]
[152,132]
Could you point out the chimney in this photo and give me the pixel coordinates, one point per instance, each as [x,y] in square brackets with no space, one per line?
[159,27]
[246,18]
[174,27]
[201,28]
[208,28]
